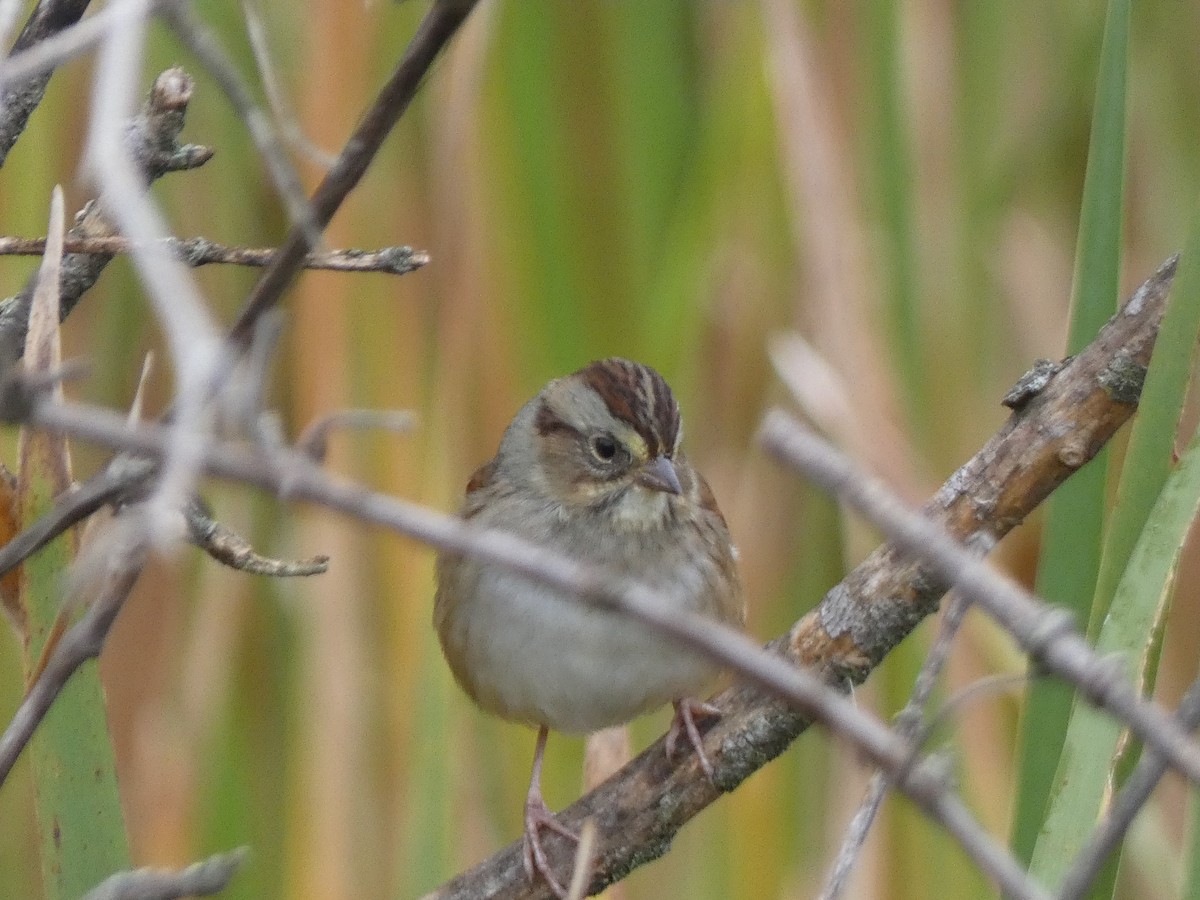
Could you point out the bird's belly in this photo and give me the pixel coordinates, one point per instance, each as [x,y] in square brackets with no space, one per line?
[528,654]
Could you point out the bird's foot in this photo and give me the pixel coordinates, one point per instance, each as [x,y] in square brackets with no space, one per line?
[538,816]
[687,711]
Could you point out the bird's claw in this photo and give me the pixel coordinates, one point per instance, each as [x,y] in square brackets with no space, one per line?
[537,817]
[687,711]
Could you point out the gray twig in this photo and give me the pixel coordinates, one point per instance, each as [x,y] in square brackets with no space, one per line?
[19,97]
[228,547]
[910,724]
[314,440]
[198,251]
[153,140]
[202,879]
[1045,633]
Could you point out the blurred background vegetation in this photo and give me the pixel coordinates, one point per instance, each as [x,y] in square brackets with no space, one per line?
[898,183]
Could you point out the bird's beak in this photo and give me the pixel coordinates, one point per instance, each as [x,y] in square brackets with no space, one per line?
[659,475]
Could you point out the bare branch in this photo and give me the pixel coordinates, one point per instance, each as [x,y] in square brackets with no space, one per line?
[19,97]
[231,549]
[1045,633]
[434,32]
[910,723]
[314,441]
[205,878]
[154,137]
[200,251]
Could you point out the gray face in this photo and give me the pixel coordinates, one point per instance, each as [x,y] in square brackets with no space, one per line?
[599,427]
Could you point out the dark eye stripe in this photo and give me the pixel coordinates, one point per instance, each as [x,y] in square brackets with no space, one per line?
[548,421]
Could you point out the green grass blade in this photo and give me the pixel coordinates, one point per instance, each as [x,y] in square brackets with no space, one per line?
[895,178]
[1191,887]
[1071,546]
[81,830]
[1132,627]
[1147,464]
[1090,748]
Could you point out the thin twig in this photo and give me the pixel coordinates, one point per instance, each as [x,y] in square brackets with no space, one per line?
[1045,633]
[257,33]
[202,41]
[198,251]
[314,440]
[152,138]
[229,548]
[910,724]
[202,879]
[20,96]
[432,35]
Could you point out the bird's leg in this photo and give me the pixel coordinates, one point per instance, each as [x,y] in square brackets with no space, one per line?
[537,817]
[687,710]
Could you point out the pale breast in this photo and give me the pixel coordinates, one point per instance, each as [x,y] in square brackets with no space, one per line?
[526,653]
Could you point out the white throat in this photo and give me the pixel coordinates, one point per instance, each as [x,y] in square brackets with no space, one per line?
[640,509]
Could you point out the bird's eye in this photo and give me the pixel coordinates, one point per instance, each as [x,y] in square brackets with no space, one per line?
[604,447]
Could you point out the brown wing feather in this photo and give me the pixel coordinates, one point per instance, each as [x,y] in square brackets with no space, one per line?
[481,479]
[731,603]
